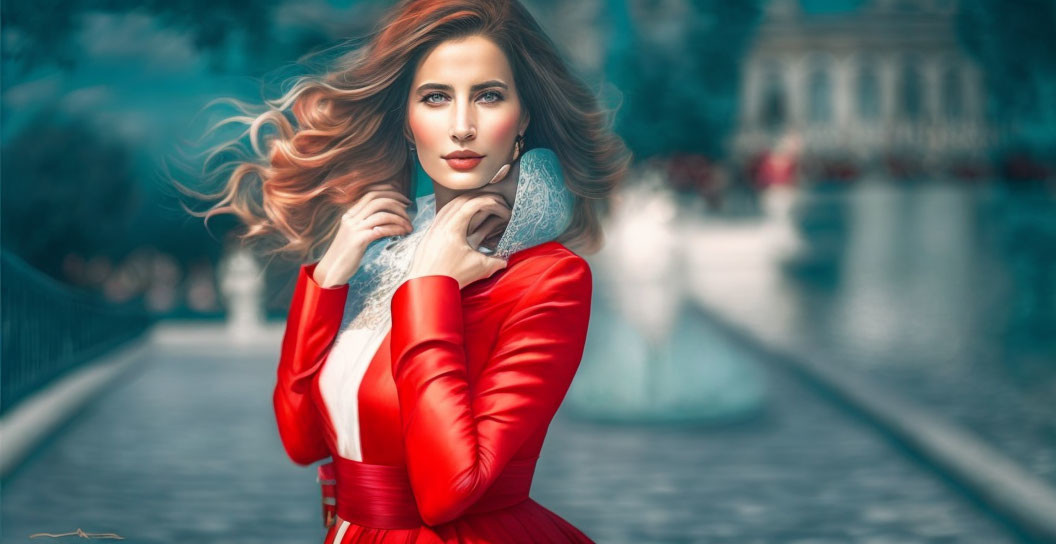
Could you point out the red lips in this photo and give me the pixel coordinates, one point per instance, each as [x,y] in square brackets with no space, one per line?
[464,164]
[463,159]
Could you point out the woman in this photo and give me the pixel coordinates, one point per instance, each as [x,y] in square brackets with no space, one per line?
[428,365]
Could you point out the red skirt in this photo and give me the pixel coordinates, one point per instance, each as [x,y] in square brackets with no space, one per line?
[375,503]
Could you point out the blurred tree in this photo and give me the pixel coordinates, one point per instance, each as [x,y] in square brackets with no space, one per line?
[45,32]
[1016,46]
[681,93]
[257,36]
[66,188]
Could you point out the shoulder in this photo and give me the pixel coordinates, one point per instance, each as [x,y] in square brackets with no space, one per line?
[546,267]
[540,258]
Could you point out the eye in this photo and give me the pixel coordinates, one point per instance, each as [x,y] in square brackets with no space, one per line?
[428,98]
[497,97]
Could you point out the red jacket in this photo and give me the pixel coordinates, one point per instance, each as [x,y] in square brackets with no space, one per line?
[465,381]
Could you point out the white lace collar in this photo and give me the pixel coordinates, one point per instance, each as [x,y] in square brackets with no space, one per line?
[542,210]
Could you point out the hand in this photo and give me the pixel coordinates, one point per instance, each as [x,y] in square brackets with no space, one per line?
[380,212]
[448,247]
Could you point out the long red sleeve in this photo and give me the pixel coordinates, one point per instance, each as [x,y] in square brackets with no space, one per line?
[459,440]
[311,326]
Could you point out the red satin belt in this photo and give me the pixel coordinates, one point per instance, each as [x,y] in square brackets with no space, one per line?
[380,496]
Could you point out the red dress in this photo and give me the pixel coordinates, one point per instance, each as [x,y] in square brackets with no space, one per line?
[453,407]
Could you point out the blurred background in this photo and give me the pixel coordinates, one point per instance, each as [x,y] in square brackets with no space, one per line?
[825,310]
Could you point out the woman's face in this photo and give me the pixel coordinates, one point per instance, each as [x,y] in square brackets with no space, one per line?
[463,100]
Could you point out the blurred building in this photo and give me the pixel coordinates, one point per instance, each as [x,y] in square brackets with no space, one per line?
[867,84]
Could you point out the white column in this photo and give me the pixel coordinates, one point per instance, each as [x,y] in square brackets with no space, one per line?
[843,70]
[891,131]
[751,95]
[887,70]
[976,122]
[932,125]
[931,78]
[795,79]
[974,95]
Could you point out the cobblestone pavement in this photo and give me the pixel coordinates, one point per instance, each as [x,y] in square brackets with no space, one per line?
[184,449]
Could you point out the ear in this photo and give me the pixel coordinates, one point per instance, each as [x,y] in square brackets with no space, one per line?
[523,125]
[407,133]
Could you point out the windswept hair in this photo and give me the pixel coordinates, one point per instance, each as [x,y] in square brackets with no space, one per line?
[351,129]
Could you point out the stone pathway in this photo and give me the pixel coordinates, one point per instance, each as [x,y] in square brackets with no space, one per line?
[184,449]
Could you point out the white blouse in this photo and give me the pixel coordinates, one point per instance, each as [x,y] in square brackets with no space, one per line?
[339,382]
[364,325]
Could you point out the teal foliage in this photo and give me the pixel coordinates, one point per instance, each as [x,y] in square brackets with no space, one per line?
[1016,48]
[680,97]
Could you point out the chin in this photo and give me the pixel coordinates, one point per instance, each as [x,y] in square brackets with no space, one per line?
[460,181]
[459,184]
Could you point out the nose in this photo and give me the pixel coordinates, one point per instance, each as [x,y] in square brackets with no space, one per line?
[463,126]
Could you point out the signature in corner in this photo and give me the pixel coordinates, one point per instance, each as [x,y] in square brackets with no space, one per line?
[79,533]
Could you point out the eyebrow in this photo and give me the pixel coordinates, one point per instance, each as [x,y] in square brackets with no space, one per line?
[475,88]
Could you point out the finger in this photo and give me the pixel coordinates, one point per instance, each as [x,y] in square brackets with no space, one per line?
[388,193]
[491,265]
[477,221]
[392,205]
[369,197]
[383,218]
[451,205]
[487,218]
[474,203]
[374,194]
[484,205]
[393,218]
[388,229]
[483,215]
[476,235]
[479,218]
[486,229]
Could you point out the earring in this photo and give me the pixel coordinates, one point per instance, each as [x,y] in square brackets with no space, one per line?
[500,174]
[411,147]
[518,145]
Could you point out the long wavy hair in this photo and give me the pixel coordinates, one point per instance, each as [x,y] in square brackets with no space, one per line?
[351,129]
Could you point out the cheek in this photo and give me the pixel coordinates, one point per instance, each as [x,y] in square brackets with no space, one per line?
[427,129]
[502,127]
